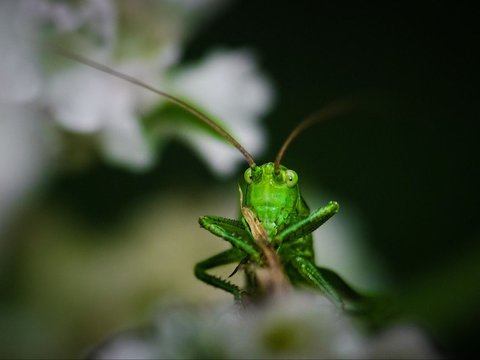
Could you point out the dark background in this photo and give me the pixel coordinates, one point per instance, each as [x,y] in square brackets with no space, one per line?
[409,160]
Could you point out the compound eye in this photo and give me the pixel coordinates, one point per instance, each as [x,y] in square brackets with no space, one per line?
[248,176]
[291,178]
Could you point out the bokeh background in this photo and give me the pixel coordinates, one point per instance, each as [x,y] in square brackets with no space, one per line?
[93,246]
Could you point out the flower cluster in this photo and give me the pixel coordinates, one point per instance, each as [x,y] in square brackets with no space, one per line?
[43,92]
[299,325]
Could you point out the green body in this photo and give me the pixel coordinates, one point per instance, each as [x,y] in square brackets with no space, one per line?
[276,200]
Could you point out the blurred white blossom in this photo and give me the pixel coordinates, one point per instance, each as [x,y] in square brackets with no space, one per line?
[70,16]
[84,101]
[227,83]
[230,86]
[142,39]
[26,151]
[20,80]
[299,325]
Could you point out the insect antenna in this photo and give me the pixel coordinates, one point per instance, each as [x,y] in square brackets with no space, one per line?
[332,110]
[198,114]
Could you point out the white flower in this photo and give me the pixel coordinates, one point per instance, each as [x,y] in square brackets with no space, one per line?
[37,97]
[229,85]
[26,151]
[71,16]
[20,80]
[82,100]
[85,101]
[298,325]
[401,341]
[226,83]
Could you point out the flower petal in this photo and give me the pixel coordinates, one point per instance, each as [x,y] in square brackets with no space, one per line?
[229,86]
[123,143]
[20,80]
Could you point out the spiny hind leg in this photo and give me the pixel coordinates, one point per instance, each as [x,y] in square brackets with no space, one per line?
[312,275]
[356,303]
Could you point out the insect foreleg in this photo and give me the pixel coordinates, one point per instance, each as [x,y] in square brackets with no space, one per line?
[225,257]
[234,232]
[309,224]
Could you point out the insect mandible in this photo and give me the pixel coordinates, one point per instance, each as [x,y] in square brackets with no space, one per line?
[275,226]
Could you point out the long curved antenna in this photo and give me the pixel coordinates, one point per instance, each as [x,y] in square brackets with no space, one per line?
[332,110]
[200,115]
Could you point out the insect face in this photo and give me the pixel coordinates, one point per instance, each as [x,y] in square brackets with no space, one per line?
[273,196]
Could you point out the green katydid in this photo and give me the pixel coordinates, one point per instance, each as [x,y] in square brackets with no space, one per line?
[270,192]
[275,227]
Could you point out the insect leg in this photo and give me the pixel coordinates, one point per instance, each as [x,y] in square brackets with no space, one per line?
[234,232]
[375,308]
[341,286]
[309,224]
[223,258]
[313,276]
